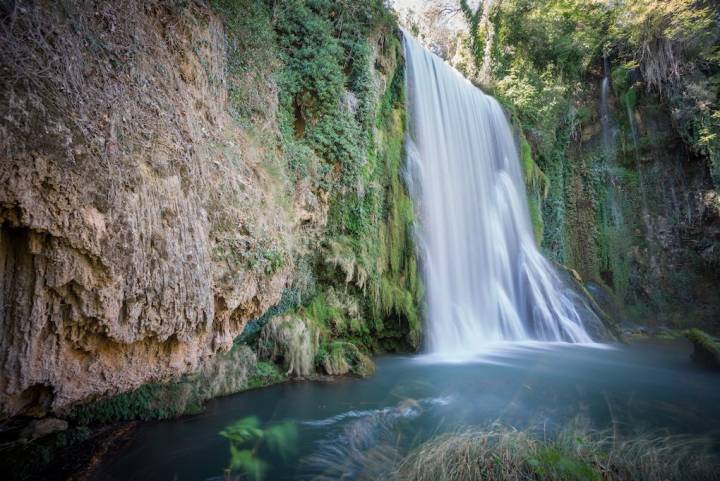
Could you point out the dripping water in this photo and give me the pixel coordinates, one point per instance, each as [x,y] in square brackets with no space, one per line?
[608,147]
[645,213]
[605,109]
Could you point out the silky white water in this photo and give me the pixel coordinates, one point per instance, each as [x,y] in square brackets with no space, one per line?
[486,280]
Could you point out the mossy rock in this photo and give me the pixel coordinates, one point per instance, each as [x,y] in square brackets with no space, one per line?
[290,341]
[345,358]
[706,349]
[221,375]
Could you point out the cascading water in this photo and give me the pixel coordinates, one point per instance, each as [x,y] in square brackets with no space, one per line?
[486,280]
[608,147]
[605,109]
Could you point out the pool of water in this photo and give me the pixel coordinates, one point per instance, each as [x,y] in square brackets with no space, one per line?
[344,426]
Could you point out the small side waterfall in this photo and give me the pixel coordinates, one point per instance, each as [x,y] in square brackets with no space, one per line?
[609,145]
[486,280]
[645,212]
[605,109]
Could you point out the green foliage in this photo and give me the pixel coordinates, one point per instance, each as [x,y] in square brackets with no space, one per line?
[313,80]
[148,402]
[550,462]
[708,343]
[344,135]
[266,374]
[247,437]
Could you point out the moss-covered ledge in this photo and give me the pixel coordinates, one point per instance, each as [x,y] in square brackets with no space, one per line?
[706,348]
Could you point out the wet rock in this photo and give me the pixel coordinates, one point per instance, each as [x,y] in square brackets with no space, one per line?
[597,323]
[42,427]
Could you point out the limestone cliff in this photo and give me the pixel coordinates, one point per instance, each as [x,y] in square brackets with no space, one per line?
[139,226]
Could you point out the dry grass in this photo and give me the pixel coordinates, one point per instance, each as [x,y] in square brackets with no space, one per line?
[577,453]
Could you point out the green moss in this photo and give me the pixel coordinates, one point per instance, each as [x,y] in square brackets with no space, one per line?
[536,218]
[706,348]
[266,374]
[226,373]
[704,339]
[341,357]
[148,402]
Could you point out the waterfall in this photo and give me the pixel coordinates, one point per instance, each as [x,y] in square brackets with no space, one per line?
[486,280]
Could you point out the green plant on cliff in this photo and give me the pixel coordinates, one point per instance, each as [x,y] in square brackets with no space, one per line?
[674,46]
[340,121]
[372,247]
[330,102]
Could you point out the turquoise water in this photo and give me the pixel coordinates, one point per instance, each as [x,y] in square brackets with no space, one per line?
[349,426]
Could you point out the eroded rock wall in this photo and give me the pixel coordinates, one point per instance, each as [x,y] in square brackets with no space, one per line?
[136,216]
[642,212]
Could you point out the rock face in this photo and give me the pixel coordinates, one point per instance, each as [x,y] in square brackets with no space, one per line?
[139,229]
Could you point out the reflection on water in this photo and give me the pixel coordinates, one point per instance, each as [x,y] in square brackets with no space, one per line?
[351,427]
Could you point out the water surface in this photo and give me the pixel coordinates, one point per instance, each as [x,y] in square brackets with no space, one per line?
[348,425]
